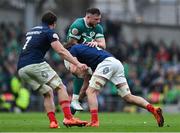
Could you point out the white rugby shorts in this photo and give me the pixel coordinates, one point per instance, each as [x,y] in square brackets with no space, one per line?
[37,75]
[111,69]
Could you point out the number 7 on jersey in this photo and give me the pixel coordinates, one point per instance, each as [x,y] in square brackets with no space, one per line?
[27,41]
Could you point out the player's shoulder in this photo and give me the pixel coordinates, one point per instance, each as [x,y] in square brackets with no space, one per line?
[36,28]
[79,22]
[39,27]
[99,26]
[50,32]
[35,31]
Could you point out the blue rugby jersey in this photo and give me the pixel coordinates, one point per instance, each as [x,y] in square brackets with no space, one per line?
[38,42]
[91,56]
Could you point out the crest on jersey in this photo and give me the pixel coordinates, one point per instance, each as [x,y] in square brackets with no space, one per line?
[105,70]
[92,34]
[75,31]
[55,36]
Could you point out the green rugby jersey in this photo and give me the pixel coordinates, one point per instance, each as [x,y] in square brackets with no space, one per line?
[83,33]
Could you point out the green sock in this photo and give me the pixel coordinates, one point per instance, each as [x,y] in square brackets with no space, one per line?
[77,84]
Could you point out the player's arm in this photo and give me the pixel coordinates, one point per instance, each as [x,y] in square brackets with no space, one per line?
[101,43]
[74,34]
[84,87]
[58,47]
[99,40]
[71,42]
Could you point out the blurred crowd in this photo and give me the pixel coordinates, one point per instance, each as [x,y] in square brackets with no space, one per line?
[152,69]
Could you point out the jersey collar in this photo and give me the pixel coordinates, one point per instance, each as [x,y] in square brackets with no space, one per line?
[45,25]
[86,23]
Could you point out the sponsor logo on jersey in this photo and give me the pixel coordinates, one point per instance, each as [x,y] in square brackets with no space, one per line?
[105,70]
[55,36]
[75,31]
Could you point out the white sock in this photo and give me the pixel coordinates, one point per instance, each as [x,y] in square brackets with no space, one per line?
[75,97]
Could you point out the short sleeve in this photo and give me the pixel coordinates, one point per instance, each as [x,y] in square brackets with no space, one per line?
[75,31]
[99,32]
[52,36]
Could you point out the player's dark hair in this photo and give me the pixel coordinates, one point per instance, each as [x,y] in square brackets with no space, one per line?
[93,11]
[49,18]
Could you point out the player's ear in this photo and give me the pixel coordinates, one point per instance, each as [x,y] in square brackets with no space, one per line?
[88,16]
[54,25]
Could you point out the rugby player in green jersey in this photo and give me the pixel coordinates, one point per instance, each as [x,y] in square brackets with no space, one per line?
[88,31]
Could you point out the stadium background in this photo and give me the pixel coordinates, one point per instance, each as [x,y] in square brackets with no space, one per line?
[144,35]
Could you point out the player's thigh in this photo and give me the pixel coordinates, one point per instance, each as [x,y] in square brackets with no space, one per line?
[55,82]
[123,89]
[45,89]
[105,69]
[97,82]
[121,83]
[118,76]
[41,72]
[119,79]
[36,76]
[23,74]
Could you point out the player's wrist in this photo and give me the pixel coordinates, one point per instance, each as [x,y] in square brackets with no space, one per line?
[78,64]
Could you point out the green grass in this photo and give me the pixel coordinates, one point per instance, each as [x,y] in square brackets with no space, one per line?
[109,122]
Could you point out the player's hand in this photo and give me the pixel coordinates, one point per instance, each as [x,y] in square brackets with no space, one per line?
[82,67]
[92,44]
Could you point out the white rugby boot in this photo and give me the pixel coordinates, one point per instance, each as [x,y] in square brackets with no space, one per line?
[76,105]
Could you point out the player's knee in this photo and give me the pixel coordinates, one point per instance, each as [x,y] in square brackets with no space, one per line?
[97,82]
[55,83]
[91,91]
[123,90]
[48,94]
[128,98]
[61,86]
[45,90]
[88,91]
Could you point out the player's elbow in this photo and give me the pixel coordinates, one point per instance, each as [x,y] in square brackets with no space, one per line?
[57,46]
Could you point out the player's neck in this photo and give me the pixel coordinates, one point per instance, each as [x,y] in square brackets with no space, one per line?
[87,22]
[51,26]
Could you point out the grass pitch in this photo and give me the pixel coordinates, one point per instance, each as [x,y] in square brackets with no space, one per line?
[109,122]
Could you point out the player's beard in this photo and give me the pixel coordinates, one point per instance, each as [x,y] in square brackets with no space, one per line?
[92,25]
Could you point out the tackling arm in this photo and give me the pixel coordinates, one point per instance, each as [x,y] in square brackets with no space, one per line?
[58,47]
[101,43]
[70,43]
[84,87]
